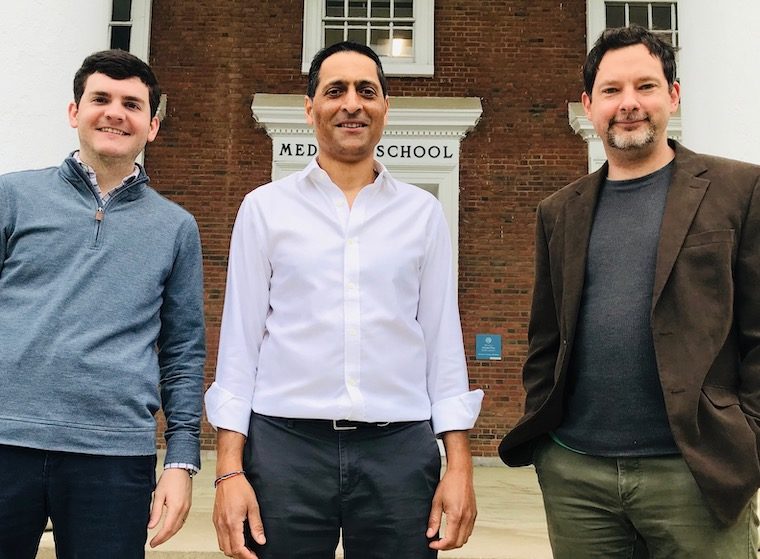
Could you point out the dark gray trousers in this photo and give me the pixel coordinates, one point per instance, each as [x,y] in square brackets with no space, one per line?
[375,483]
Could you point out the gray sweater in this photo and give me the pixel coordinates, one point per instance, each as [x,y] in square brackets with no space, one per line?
[614,405]
[101,321]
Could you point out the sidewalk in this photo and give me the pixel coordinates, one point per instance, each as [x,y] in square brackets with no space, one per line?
[510,524]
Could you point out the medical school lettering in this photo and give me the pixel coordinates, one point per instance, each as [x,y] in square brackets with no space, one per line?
[394,151]
[298,150]
[383,151]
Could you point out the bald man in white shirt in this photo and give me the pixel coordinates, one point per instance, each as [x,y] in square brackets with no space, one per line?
[341,356]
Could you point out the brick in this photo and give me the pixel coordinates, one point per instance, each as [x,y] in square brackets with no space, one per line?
[522,58]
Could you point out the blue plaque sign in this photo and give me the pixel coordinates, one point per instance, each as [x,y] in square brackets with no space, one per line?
[488,347]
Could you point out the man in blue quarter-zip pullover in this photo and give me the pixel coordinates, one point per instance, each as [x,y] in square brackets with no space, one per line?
[101,323]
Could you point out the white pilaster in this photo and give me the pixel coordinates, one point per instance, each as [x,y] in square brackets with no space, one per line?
[720,77]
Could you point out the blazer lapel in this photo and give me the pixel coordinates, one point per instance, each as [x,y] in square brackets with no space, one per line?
[579,216]
[684,197]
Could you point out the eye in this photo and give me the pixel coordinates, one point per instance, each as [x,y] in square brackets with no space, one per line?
[99,100]
[132,105]
[368,92]
[333,92]
[646,86]
[609,90]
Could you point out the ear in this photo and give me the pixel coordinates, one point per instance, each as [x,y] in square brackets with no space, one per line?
[387,106]
[155,124]
[675,97]
[308,107]
[73,111]
[586,100]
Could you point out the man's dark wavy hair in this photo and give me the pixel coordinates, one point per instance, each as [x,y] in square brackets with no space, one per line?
[118,65]
[620,37]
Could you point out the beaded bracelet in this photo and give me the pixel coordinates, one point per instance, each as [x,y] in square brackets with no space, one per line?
[222,477]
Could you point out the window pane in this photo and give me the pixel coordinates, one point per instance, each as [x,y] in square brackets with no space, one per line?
[380,41]
[638,14]
[403,8]
[381,8]
[120,37]
[357,8]
[615,15]
[358,35]
[121,10]
[661,16]
[333,35]
[334,8]
[402,42]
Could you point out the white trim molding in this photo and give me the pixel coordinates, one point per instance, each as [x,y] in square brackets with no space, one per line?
[140,38]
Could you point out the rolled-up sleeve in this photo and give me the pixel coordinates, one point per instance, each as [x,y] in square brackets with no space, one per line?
[454,406]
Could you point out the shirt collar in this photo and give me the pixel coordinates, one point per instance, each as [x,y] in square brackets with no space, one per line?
[93,177]
[384,180]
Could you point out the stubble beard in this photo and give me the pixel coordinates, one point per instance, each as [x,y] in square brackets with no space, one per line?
[628,141]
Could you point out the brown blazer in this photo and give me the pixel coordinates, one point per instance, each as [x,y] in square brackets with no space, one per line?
[705,320]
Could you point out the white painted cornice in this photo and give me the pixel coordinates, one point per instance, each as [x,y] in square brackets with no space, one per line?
[579,122]
[283,114]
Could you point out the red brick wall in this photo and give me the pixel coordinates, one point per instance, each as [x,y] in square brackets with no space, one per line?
[522,58]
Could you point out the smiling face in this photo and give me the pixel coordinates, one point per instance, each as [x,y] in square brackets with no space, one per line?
[631,103]
[348,111]
[113,119]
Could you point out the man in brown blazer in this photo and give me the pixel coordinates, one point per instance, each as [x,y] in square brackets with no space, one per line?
[642,412]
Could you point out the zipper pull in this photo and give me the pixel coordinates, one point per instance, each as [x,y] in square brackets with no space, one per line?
[99,215]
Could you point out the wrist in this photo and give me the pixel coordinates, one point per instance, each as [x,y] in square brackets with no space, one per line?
[458,455]
[226,467]
[189,468]
[228,475]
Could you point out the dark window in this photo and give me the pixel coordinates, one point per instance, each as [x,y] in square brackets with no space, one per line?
[121,24]
[120,36]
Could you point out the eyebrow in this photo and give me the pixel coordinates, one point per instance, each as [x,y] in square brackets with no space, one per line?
[642,78]
[127,98]
[357,83]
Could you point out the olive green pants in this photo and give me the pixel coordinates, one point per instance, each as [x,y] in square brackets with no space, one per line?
[634,508]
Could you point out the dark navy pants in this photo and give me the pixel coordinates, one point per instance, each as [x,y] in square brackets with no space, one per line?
[375,484]
[99,505]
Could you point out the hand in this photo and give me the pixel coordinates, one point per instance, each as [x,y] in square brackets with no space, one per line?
[454,497]
[235,502]
[174,492]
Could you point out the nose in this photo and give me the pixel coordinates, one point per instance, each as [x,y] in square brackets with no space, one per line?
[630,100]
[352,101]
[114,111]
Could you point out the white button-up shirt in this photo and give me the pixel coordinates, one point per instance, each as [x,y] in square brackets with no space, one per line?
[334,312]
